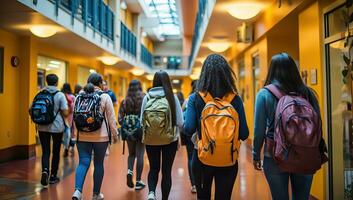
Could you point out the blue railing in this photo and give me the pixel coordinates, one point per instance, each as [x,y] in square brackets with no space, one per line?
[167,62]
[93,13]
[198,23]
[128,40]
[146,56]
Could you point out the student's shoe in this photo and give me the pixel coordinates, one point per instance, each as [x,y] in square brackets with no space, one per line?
[53,179]
[129,181]
[151,196]
[66,153]
[193,189]
[45,179]
[99,196]
[140,185]
[77,195]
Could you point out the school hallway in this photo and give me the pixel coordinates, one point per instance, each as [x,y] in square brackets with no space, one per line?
[21,179]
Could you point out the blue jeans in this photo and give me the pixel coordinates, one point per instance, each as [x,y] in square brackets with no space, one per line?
[85,154]
[67,137]
[278,182]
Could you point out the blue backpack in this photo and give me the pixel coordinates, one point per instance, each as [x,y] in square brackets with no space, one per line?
[131,128]
[42,110]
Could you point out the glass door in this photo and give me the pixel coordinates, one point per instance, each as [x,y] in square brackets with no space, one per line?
[339,77]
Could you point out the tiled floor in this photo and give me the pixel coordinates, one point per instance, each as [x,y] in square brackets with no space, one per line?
[20,179]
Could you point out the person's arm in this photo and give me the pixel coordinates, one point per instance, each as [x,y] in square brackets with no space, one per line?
[110,117]
[178,113]
[190,124]
[243,126]
[144,101]
[260,124]
[114,99]
[121,113]
[63,107]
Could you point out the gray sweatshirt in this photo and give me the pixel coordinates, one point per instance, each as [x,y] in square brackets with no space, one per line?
[158,91]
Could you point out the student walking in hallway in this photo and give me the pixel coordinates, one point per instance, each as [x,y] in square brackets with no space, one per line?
[96,123]
[216,113]
[67,140]
[131,132]
[161,118]
[50,124]
[286,108]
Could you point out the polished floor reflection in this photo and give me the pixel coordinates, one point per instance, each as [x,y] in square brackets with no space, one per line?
[20,179]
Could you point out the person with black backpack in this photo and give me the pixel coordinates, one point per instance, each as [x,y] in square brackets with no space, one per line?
[161,118]
[48,110]
[216,113]
[95,121]
[131,132]
[288,122]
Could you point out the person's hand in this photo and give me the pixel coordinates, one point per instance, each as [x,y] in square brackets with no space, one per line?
[115,139]
[257,165]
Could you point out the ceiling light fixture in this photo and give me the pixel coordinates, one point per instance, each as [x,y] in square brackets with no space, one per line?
[137,72]
[109,60]
[92,71]
[43,31]
[176,81]
[144,34]
[244,10]
[218,46]
[150,77]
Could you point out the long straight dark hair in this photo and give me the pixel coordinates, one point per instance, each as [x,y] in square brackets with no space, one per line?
[217,77]
[133,100]
[161,79]
[284,71]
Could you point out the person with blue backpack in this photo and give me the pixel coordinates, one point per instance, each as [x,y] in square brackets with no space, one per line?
[288,122]
[95,121]
[48,110]
[131,132]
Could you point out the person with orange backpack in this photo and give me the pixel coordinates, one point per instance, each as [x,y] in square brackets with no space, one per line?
[287,120]
[216,112]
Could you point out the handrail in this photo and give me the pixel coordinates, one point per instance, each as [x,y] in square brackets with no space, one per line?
[128,40]
[146,56]
[93,13]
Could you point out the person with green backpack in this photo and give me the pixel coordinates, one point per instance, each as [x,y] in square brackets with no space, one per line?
[131,131]
[161,119]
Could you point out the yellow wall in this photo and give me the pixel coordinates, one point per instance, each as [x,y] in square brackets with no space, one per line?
[311,58]
[147,43]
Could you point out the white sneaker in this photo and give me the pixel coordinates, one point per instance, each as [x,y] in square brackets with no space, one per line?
[139,185]
[77,195]
[193,189]
[99,196]
[151,196]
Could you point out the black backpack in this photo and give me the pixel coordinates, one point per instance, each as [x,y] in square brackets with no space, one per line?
[131,128]
[42,110]
[87,114]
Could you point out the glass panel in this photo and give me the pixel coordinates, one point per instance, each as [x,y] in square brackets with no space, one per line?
[47,66]
[257,84]
[83,73]
[336,20]
[241,82]
[342,125]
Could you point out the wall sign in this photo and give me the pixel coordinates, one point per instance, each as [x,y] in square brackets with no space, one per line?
[313,76]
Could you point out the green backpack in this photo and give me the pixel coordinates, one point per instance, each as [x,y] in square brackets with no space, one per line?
[157,122]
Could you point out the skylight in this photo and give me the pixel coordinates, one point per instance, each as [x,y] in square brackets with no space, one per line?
[165,11]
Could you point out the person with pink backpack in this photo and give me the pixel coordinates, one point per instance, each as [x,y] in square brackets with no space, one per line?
[288,123]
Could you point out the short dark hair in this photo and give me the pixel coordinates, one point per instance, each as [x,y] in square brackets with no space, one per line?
[96,79]
[52,79]
[66,88]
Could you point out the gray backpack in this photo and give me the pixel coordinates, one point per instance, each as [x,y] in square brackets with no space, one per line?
[157,121]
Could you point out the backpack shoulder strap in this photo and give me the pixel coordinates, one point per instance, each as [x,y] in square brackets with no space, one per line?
[275,91]
[206,97]
[229,97]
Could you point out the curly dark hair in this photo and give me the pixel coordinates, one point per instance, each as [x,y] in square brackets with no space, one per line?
[217,77]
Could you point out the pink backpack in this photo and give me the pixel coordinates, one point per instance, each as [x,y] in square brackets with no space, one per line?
[297,134]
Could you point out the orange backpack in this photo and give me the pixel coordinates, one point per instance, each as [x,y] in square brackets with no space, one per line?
[219,142]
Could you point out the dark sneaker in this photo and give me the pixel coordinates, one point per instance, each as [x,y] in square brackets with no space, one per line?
[129,181]
[44,179]
[66,153]
[140,185]
[54,179]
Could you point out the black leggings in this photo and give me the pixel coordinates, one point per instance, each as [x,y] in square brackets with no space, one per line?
[154,157]
[224,179]
[45,140]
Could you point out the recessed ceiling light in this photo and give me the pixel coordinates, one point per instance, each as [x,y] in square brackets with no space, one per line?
[150,77]
[244,10]
[109,60]
[55,62]
[92,71]
[137,72]
[218,46]
[176,81]
[123,5]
